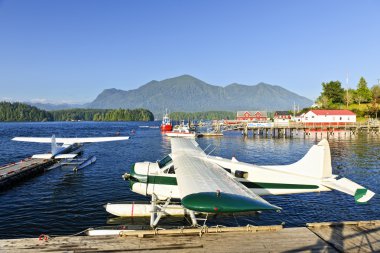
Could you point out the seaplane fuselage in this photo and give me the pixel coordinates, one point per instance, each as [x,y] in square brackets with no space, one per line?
[159,177]
[313,173]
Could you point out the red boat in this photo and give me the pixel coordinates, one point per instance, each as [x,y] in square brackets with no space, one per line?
[166,124]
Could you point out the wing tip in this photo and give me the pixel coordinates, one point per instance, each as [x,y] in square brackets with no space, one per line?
[363,195]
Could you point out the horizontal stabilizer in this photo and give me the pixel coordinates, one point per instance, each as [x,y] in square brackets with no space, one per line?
[65,156]
[42,156]
[361,194]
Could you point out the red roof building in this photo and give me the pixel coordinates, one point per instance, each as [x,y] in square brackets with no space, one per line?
[258,116]
[335,117]
[333,112]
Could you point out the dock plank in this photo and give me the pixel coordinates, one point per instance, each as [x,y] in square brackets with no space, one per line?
[350,237]
[285,240]
[328,237]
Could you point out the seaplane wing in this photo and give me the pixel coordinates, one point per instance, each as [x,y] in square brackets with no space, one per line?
[206,187]
[63,151]
[70,140]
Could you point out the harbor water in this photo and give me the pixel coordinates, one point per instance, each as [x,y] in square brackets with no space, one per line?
[63,202]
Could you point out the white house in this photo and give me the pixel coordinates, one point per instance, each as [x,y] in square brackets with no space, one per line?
[282,118]
[333,117]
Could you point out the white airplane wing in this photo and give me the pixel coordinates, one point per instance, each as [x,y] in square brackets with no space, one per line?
[70,140]
[206,187]
[49,156]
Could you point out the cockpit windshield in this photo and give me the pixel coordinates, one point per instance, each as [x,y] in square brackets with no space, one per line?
[164,161]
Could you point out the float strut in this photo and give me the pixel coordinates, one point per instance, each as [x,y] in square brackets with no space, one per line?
[193,218]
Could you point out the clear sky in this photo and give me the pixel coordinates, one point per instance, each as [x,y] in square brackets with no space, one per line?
[71,50]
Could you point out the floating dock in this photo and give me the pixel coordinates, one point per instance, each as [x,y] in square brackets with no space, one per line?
[15,172]
[315,237]
[210,134]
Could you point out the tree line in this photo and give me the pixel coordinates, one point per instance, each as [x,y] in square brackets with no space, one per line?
[23,112]
[334,96]
[210,115]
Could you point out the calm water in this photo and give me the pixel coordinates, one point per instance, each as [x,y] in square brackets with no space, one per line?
[61,202]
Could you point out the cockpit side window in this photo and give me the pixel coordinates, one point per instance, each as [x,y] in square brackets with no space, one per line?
[164,161]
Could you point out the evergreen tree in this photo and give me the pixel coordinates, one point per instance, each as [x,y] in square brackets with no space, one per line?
[363,94]
[22,112]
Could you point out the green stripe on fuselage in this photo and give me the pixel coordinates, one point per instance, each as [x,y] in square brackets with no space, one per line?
[252,185]
[162,180]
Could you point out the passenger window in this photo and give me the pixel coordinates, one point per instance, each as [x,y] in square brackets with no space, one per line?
[241,174]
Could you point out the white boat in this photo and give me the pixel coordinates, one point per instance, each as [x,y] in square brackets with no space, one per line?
[181,131]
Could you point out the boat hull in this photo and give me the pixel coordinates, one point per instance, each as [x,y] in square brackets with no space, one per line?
[165,128]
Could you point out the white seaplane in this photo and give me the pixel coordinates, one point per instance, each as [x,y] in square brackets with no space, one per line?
[211,184]
[70,147]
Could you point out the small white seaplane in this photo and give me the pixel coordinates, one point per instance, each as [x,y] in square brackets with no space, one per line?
[70,147]
[211,184]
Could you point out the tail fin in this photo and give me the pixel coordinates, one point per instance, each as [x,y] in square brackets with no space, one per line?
[316,163]
[54,147]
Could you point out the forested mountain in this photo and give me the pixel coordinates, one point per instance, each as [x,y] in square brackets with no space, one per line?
[188,94]
[23,112]
[103,115]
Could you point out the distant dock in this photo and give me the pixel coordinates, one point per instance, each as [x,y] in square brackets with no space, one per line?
[15,172]
[306,130]
[363,236]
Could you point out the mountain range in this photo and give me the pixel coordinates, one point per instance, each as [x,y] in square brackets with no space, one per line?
[189,94]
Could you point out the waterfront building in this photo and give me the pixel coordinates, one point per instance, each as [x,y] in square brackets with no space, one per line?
[282,117]
[332,117]
[256,116]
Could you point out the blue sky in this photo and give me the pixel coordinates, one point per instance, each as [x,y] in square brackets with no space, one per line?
[71,50]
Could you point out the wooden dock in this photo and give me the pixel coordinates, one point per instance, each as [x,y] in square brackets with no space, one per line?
[292,129]
[15,172]
[316,237]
